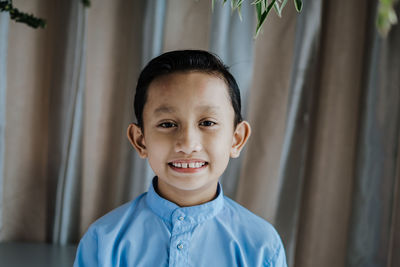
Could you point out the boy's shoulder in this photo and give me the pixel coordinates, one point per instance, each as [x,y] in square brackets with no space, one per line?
[253,232]
[119,216]
[253,225]
[235,209]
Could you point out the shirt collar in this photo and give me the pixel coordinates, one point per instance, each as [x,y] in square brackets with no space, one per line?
[171,212]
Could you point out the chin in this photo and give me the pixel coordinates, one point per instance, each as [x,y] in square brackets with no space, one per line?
[188,183]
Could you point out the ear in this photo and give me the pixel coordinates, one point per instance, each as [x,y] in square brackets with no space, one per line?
[136,137]
[240,137]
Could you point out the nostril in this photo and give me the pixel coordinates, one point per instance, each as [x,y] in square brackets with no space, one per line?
[188,147]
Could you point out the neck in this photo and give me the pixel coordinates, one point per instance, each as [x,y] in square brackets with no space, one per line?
[187,198]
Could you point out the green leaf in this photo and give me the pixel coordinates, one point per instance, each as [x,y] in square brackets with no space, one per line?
[86,3]
[283,4]
[264,16]
[261,21]
[278,10]
[386,17]
[298,4]
[240,12]
[259,10]
[239,3]
[256,2]
[270,6]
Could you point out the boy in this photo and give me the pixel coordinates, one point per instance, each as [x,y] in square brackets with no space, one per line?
[189,124]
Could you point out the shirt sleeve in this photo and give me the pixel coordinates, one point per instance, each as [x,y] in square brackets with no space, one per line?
[86,255]
[279,259]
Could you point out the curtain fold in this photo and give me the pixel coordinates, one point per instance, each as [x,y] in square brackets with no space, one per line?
[326,199]
[257,187]
[375,197]
[394,242]
[66,123]
[25,183]
[114,59]
[232,40]
[302,91]
[152,43]
[4,21]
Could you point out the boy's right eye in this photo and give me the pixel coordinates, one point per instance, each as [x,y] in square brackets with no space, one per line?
[167,125]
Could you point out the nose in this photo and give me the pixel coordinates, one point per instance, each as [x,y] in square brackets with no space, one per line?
[188,141]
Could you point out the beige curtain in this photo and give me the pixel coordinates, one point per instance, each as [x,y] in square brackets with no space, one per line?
[318,196]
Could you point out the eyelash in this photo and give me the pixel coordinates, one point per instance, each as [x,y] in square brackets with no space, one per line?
[164,124]
[206,123]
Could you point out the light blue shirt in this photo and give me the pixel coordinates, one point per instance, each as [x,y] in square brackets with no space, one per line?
[152,231]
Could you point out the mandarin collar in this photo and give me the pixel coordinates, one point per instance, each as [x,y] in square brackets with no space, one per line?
[171,212]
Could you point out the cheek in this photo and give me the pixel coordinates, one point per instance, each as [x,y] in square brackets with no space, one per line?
[157,146]
[220,144]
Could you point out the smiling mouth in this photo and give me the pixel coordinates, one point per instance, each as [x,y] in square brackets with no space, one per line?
[191,166]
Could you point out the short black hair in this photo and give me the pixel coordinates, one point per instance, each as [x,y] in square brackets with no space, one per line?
[183,61]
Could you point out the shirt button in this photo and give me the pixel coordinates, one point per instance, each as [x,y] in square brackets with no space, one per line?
[181,218]
[180,246]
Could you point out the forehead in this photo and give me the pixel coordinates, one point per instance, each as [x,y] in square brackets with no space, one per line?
[188,90]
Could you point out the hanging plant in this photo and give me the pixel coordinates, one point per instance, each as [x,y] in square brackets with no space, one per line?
[18,16]
[386,17]
[86,3]
[262,7]
[29,19]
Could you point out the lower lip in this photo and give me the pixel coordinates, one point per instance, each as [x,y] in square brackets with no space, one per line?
[188,170]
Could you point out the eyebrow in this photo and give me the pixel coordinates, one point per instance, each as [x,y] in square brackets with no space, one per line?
[164,109]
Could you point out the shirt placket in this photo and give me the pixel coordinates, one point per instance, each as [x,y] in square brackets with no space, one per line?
[180,239]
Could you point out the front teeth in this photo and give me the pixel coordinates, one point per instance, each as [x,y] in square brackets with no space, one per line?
[188,165]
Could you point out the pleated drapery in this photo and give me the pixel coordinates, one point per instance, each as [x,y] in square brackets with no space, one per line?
[152,44]
[111,176]
[24,178]
[66,123]
[374,226]
[3,85]
[303,89]
[329,168]
[320,90]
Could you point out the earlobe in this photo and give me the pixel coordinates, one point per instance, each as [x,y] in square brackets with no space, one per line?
[240,137]
[136,137]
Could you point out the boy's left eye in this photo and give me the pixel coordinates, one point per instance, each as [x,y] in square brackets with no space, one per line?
[167,124]
[207,123]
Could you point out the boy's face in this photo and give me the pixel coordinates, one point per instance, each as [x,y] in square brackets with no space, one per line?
[188,134]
